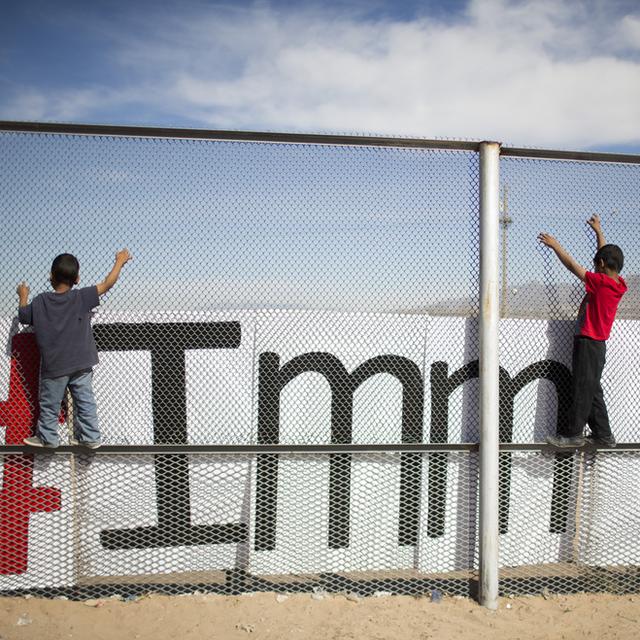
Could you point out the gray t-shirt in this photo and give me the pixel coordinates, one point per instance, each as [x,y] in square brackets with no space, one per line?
[62,324]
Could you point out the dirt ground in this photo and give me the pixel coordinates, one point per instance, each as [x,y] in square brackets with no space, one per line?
[268,616]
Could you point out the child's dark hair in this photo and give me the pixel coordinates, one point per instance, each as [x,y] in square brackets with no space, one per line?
[611,255]
[65,269]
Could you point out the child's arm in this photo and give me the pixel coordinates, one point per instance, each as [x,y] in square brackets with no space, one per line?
[564,257]
[23,294]
[122,257]
[594,223]
[24,312]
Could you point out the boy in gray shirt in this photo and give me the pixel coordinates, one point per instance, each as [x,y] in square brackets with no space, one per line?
[62,323]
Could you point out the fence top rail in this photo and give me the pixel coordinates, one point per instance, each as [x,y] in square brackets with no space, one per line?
[235,136]
[305,138]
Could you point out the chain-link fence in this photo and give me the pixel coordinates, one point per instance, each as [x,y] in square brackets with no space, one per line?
[288,378]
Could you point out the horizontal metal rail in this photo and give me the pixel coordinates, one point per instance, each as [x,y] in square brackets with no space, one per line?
[234,136]
[558,154]
[305,448]
[305,138]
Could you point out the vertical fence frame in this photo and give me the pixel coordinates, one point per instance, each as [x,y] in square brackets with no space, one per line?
[488,366]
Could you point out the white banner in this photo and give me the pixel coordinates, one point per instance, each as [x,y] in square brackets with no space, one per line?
[295,377]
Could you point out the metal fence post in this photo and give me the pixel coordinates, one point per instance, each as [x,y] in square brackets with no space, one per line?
[489,363]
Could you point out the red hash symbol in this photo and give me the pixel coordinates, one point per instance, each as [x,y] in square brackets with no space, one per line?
[18,497]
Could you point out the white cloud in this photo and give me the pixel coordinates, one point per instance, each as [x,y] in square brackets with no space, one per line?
[548,73]
[64,105]
[630,32]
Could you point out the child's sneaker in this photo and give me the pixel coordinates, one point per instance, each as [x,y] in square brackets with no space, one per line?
[34,441]
[563,442]
[90,445]
[602,442]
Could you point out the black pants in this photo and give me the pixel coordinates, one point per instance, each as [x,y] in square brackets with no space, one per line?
[588,405]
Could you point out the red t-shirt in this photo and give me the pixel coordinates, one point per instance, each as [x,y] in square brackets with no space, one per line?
[599,306]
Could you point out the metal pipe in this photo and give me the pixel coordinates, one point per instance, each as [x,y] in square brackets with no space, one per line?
[128,131]
[305,138]
[251,448]
[505,221]
[312,449]
[571,156]
[489,388]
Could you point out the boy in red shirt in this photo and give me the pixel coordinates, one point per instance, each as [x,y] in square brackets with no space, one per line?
[604,289]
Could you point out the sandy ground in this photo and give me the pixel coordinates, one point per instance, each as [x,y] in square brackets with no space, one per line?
[268,616]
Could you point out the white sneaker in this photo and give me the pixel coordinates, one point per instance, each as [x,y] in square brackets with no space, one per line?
[36,442]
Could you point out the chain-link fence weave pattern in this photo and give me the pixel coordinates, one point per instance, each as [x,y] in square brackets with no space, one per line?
[308,295]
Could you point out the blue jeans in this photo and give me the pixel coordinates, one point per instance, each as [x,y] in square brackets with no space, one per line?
[85,414]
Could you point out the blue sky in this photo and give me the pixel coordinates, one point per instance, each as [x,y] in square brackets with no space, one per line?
[551,73]
[216,225]
[227,225]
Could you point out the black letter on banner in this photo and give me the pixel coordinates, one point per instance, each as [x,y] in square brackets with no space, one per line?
[560,376]
[441,388]
[273,379]
[167,343]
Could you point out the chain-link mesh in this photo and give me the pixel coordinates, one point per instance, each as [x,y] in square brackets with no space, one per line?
[126,524]
[559,197]
[571,523]
[306,295]
[570,499]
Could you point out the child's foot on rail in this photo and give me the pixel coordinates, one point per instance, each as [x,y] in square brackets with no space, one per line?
[36,442]
[602,442]
[90,445]
[564,442]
